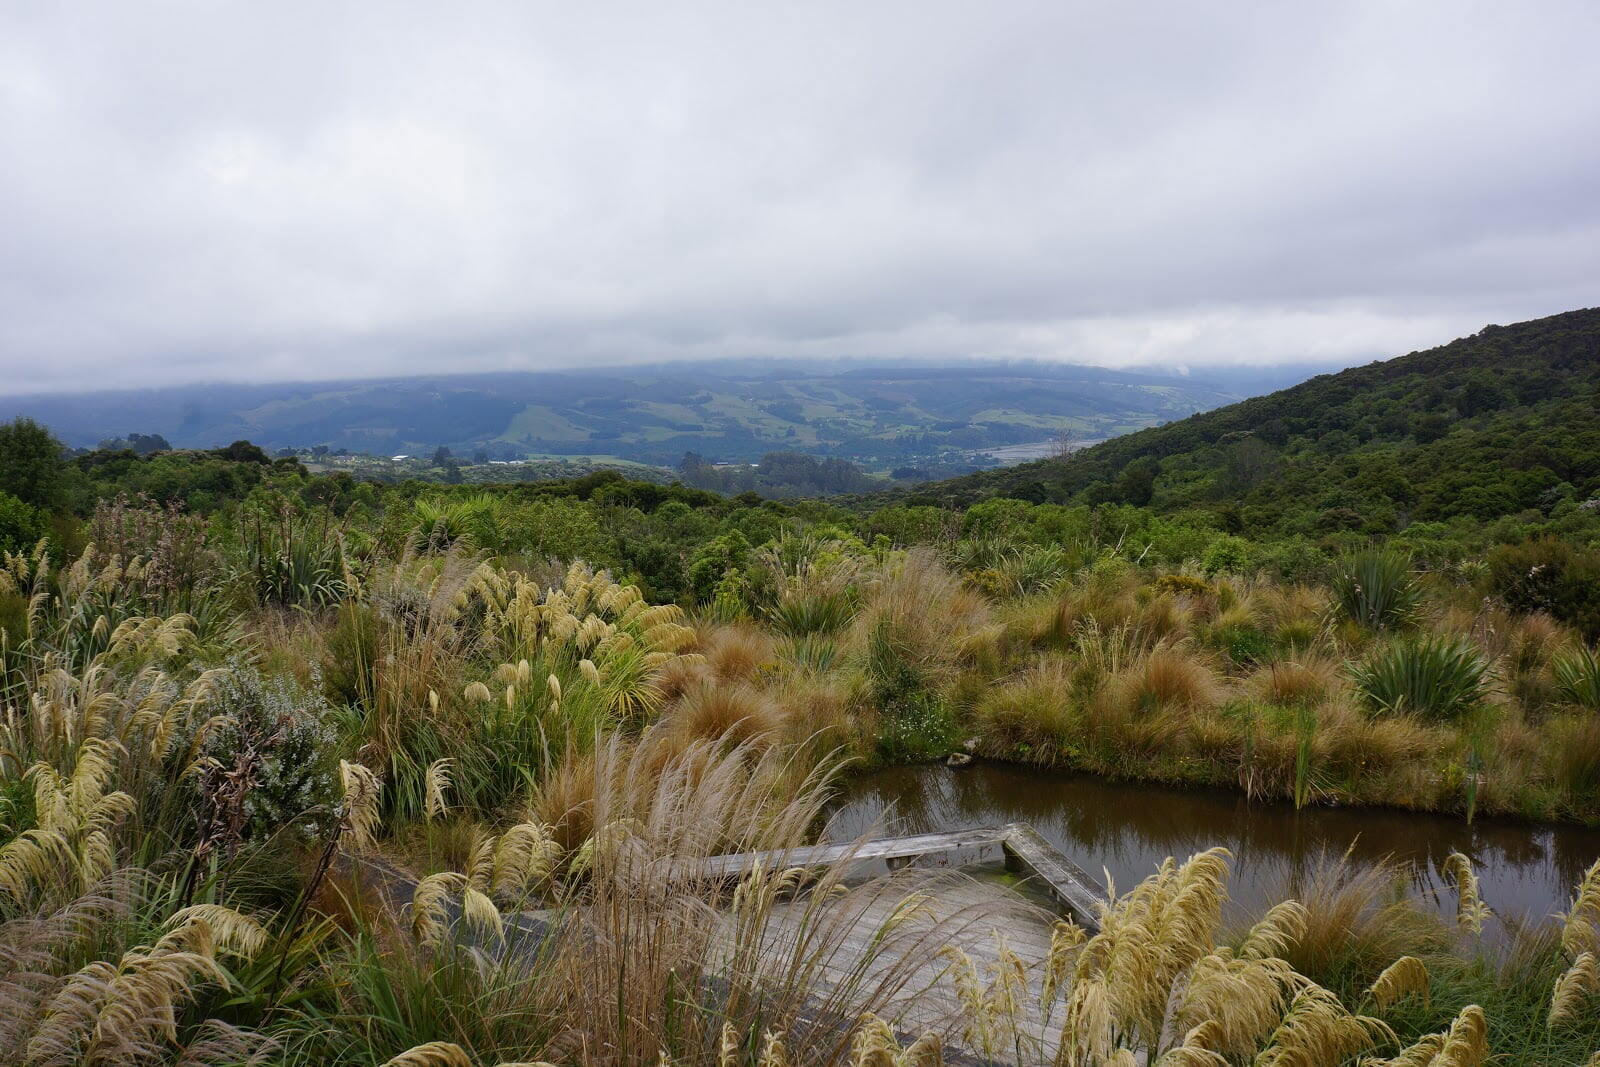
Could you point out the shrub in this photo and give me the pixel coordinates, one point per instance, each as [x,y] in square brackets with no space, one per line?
[1438,678]
[1578,677]
[1166,678]
[1226,555]
[1376,589]
[293,560]
[1184,585]
[275,735]
[1552,576]
[20,524]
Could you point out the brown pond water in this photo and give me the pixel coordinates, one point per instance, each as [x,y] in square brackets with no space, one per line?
[1526,870]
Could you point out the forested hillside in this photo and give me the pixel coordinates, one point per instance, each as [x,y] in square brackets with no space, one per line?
[1504,421]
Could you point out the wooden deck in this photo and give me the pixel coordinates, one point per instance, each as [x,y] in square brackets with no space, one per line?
[1026,852]
[910,972]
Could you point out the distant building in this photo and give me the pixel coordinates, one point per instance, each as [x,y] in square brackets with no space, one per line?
[397,459]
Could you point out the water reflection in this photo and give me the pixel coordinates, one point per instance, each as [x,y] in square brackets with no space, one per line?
[1526,870]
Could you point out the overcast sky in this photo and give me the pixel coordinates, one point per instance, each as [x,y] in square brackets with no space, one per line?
[254,191]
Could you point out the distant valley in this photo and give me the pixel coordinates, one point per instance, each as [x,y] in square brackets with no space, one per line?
[903,419]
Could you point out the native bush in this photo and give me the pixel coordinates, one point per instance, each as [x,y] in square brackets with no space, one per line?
[275,737]
[1553,576]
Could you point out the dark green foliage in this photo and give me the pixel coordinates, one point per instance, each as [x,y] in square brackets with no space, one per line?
[1243,644]
[21,525]
[1377,590]
[243,452]
[917,725]
[711,563]
[1435,435]
[806,614]
[1578,677]
[349,670]
[31,467]
[1437,678]
[1553,576]
[1226,555]
[294,560]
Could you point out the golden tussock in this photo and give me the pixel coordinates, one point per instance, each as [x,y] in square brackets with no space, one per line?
[1406,976]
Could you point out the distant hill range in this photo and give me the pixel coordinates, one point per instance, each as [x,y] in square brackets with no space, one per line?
[1502,422]
[880,416]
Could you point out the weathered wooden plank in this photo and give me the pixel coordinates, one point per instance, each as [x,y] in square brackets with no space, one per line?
[889,848]
[1078,892]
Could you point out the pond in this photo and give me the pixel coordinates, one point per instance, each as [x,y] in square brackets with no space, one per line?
[1525,870]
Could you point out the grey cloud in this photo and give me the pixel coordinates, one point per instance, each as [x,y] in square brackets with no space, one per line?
[235,191]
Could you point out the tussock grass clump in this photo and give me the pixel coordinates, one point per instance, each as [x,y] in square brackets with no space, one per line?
[736,713]
[1166,678]
[1032,714]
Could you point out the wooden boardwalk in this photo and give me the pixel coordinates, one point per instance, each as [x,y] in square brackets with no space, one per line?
[910,973]
[1026,852]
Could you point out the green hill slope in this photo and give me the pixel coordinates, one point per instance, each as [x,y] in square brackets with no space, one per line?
[1498,423]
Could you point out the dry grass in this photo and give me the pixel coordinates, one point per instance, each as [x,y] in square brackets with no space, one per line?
[736,652]
[1031,714]
[937,624]
[1167,678]
[1307,680]
[1358,922]
[736,713]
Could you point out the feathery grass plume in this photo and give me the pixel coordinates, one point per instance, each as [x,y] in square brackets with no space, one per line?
[977,1021]
[1466,1044]
[1187,1055]
[75,814]
[1066,938]
[925,1051]
[363,789]
[430,905]
[1577,984]
[217,1042]
[1230,1005]
[524,859]
[477,692]
[433,1054]
[1580,926]
[1280,927]
[1319,1029]
[873,1044]
[1422,1054]
[1471,911]
[480,913]
[1124,978]
[728,1046]
[232,931]
[1404,977]
[436,782]
[123,1013]
[773,1052]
